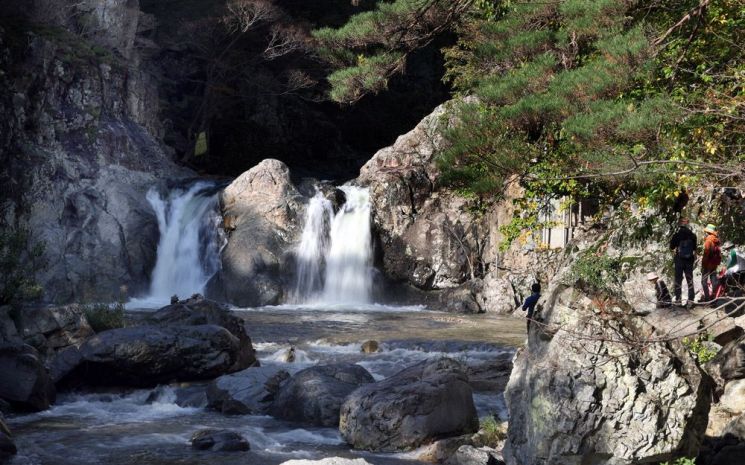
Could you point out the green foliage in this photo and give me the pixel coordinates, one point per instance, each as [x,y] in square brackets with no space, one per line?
[491,433]
[595,271]
[373,45]
[697,347]
[103,317]
[20,260]
[681,461]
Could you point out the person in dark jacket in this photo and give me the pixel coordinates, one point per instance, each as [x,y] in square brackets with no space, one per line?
[662,293]
[531,301]
[683,245]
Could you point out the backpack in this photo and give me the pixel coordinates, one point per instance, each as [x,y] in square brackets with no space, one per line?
[687,248]
[716,254]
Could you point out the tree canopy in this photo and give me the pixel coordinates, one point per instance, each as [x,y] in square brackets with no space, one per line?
[578,97]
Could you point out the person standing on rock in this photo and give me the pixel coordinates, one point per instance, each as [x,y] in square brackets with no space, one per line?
[710,261]
[531,301]
[683,245]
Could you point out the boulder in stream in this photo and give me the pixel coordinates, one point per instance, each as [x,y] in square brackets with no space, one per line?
[265,209]
[219,440]
[149,355]
[469,455]
[370,347]
[197,310]
[315,395]
[250,391]
[53,328]
[424,402]
[24,381]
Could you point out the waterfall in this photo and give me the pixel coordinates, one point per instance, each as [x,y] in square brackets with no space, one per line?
[313,246]
[188,253]
[334,257]
[348,277]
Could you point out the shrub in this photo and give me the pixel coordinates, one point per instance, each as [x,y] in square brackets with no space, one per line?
[703,353]
[491,433]
[20,260]
[103,317]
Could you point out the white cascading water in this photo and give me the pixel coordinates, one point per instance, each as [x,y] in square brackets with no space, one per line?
[312,249]
[348,276]
[188,252]
[334,257]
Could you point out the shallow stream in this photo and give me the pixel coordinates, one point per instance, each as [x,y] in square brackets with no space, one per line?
[129,428]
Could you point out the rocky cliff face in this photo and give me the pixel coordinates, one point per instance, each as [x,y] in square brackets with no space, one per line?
[79,146]
[587,389]
[438,241]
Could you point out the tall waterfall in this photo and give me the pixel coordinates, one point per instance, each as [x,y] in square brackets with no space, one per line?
[188,252]
[335,253]
[349,259]
[312,249]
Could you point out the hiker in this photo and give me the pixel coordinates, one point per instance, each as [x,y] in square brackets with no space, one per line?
[683,245]
[710,261]
[663,294]
[530,302]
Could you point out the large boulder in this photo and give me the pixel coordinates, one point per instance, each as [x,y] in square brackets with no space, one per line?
[262,208]
[429,238]
[7,446]
[24,381]
[728,364]
[583,391]
[315,395]
[250,391]
[53,328]
[197,310]
[150,355]
[424,402]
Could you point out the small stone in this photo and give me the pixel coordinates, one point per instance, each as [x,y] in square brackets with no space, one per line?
[219,440]
[369,347]
[174,299]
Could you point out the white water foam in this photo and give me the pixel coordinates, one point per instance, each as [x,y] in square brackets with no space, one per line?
[188,252]
[312,249]
[349,259]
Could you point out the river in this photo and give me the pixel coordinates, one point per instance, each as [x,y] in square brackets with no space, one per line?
[136,427]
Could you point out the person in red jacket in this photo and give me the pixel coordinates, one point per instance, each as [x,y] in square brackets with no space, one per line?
[710,261]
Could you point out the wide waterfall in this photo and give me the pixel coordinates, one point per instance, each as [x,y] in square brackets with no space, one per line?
[334,257]
[188,252]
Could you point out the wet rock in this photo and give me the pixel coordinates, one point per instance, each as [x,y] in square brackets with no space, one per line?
[422,403]
[186,396]
[24,381]
[575,399]
[54,328]
[197,310]
[370,347]
[267,209]
[219,440]
[250,391]
[469,455]
[328,461]
[490,375]
[290,355]
[7,446]
[150,355]
[315,395]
